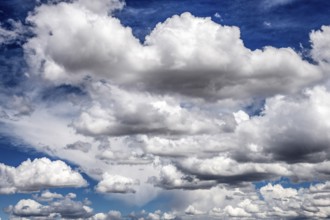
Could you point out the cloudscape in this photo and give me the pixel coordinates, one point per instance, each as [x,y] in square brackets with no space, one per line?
[159,110]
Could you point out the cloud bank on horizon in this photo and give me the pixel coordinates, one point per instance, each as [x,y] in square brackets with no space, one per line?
[189,114]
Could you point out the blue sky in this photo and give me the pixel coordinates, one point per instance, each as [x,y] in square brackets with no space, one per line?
[203,109]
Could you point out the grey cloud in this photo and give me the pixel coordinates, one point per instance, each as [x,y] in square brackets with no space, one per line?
[79,145]
[63,208]
[172,178]
[120,112]
[292,130]
[226,170]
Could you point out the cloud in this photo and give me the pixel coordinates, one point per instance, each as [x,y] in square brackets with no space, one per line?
[120,112]
[172,178]
[171,59]
[79,145]
[13,34]
[63,208]
[173,113]
[157,215]
[38,174]
[320,45]
[288,202]
[47,196]
[226,170]
[102,7]
[190,210]
[111,215]
[115,184]
[283,132]
[112,54]
[275,3]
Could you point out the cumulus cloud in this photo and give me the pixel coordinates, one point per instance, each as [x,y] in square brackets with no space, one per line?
[111,215]
[172,178]
[38,174]
[48,196]
[173,112]
[171,59]
[63,208]
[226,170]
[320,45]
[115,184]
[120,112]
[157,215]
[283,132]
[190,210]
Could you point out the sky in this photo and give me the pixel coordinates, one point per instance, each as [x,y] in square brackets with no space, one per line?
[164,110]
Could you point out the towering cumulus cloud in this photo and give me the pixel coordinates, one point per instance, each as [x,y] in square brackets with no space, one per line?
[189,115]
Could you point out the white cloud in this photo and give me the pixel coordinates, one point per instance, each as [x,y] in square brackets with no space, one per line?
[283,132]
[271,192]
[174,111]
[172,178]
[111,215]
[236,212]
[115,184]
[102,7]
[38,174]
[320,44]
[48,196]
[29,207]
[84,53]
[190,210]
[62,208]
[170,60]
[227,170]
[117,112]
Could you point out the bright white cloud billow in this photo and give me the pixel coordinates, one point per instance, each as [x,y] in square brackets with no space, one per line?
[185,54]
[190,114]
[115,184]
[38,174]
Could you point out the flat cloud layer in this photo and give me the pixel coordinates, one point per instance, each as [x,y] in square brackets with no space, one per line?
[190,114]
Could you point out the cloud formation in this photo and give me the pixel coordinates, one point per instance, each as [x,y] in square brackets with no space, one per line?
[190,114]
[186,55]
[115,184]
[63,208]
[38,174]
